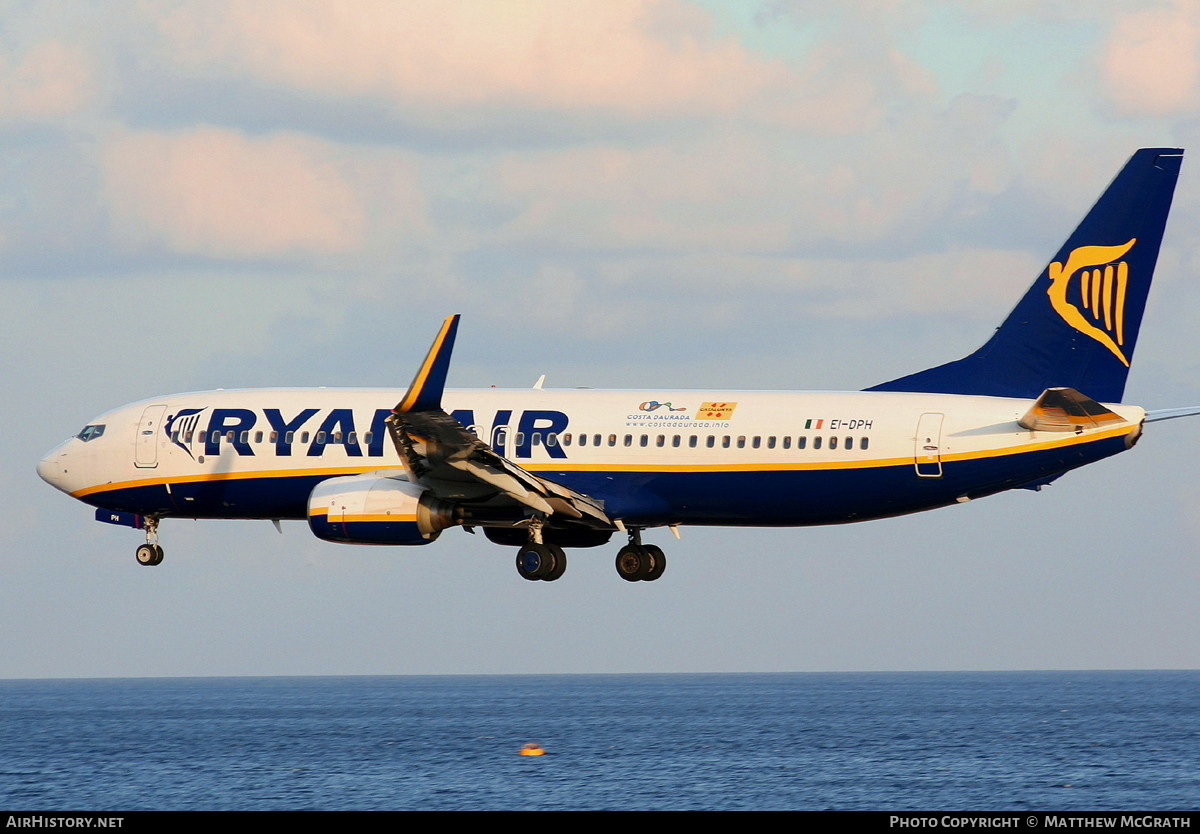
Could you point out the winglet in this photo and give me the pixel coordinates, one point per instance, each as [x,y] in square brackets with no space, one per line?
[425,392]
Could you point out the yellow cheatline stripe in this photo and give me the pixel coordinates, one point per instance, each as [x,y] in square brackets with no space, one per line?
[551,466]
[231,476]
[360,517]
[418,383]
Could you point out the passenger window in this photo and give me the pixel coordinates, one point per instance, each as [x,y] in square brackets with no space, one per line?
[566,439]
[368,437]
[817,442]
[849,443]
[741,441]
[274,436]
[833,443]
[771,442]
[676,440]
[692,439]
[583,440]
[801,442]
[862,444]
[612,440]
[245,438]
[303,437]
[320,437]
[710,441]
[352,438]
[787,442]
[645,441]
[535,439]
[756,442]
[551,439]
[725,441]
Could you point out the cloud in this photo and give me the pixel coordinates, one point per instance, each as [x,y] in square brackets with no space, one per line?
[1151,64]
[218,193]
[51,78]
[456,59]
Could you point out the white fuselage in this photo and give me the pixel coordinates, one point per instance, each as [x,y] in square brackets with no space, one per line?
[650,457]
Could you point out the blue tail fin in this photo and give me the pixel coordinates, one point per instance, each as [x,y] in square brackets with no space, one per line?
[1078,324]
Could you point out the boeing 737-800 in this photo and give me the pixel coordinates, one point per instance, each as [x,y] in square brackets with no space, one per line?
[543,470]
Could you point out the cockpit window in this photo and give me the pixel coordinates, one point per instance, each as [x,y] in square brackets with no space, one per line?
[91,432]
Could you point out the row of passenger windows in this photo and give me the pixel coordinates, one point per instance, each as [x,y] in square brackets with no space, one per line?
[350,438]
[710,441]
[675,441]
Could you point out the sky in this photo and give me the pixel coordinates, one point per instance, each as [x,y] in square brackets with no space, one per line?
[768,194]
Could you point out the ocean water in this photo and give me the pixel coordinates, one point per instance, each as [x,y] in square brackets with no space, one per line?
[1044,741]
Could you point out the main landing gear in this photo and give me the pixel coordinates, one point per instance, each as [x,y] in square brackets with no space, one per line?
[547,562]
[637,562]
[150,554]
[538,560]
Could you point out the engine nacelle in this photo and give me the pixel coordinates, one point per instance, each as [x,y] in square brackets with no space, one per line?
[369,509]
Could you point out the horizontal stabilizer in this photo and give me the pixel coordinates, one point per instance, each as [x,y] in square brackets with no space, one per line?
[1171,413]
[1065,409]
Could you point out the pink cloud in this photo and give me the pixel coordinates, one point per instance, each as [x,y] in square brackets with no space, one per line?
[216,192]
[1151,65]
[625,56]
[50,79]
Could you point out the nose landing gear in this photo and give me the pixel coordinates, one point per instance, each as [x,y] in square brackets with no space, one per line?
[150,554]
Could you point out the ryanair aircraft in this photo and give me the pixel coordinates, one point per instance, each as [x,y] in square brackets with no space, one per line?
[541,470]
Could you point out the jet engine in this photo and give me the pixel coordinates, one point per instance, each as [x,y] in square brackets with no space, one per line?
[370,509]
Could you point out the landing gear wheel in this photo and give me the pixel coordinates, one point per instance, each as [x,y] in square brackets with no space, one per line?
[149,555]
[658,562]
[560,563]
[536,561]
[633,563]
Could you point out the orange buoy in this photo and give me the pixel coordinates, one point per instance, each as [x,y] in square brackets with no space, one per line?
[531,749]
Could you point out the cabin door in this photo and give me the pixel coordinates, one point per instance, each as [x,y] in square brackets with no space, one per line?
[145,453]
[927,453]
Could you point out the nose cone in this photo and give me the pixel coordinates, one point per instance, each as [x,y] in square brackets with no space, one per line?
[52,469]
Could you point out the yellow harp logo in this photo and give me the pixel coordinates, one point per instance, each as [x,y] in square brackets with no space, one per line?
[1100,293]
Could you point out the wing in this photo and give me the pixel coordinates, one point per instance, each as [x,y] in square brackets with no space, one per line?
[441,455]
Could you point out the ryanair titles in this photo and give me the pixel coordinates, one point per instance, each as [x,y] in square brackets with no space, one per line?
[310,431]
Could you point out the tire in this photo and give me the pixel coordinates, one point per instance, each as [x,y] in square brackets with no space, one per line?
[658,562]
[534,561]
[559,563]
[148,555]
[632,563]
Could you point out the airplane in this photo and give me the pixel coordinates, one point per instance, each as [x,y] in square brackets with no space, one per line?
[544,470]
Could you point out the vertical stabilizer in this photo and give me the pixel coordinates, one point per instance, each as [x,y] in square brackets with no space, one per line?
[1077,326]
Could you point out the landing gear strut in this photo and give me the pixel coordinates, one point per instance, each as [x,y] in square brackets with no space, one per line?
[150,554]
[538,560]
[637,562]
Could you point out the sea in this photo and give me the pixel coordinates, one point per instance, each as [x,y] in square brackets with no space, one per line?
[987,741]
